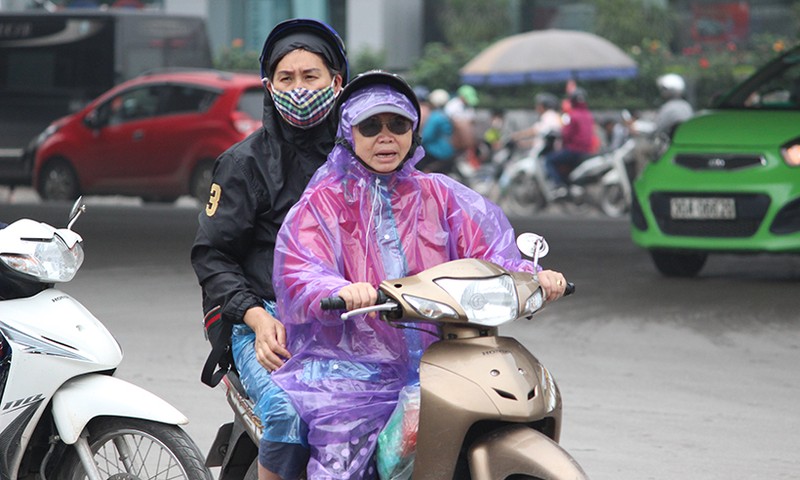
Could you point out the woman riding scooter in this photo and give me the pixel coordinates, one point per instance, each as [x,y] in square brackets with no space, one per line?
[367,215]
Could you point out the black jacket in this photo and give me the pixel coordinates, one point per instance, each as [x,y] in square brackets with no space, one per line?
[254,184]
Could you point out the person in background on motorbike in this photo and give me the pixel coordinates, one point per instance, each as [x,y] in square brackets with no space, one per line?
[493,135]
[547,127]
[437,133]
[255,182]
[577,142]
[369,215]
[676,109]
[461,111]
[617,131]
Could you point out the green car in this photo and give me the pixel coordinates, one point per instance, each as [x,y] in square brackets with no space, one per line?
[729,181]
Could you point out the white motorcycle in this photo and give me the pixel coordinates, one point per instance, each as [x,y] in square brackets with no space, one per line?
[607,178]
[523,187]
[63,413]
[602,181]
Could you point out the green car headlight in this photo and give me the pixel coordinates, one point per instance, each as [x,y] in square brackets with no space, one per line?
[791,154]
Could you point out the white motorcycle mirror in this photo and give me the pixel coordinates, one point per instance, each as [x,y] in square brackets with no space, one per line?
[533,245]
[78,208]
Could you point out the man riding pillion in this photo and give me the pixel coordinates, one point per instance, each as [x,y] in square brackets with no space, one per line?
[255,183]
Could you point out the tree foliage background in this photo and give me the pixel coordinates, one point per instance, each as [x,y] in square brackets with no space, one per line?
[647,31]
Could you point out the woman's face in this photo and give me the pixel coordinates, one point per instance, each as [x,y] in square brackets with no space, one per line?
[301,68]
[384,151]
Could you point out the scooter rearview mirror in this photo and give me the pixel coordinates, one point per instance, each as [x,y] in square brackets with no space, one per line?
[533,245]
[77,209]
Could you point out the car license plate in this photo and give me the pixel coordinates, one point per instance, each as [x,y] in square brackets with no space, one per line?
[702,208]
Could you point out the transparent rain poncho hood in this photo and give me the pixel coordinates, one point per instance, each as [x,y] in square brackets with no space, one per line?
[353,225]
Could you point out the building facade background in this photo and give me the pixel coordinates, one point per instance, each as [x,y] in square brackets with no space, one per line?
[399,29]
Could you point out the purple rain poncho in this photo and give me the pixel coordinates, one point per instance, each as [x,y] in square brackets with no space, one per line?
[353,225]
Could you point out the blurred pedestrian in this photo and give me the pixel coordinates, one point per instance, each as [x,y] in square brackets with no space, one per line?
[437,134]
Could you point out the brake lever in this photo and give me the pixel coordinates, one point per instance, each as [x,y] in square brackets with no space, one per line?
[383,307]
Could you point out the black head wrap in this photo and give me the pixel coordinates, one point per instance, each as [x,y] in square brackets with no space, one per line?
[306,40]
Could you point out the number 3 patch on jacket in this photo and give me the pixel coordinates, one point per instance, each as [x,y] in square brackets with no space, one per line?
[213,200]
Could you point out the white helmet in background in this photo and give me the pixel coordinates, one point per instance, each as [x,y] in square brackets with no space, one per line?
[671,85]
[438,97]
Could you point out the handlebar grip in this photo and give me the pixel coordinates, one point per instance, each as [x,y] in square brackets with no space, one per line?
[333,303]
[337,303]
[570,289]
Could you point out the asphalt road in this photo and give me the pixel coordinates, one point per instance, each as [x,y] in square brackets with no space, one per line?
[661,378]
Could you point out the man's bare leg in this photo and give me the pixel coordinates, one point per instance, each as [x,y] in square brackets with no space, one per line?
[264,474]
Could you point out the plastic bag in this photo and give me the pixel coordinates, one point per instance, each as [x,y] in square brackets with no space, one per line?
[397,442]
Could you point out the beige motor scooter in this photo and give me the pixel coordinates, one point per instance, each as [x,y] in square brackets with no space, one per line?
[489,410]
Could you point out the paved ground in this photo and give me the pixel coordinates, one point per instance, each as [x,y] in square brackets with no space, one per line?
[661,378]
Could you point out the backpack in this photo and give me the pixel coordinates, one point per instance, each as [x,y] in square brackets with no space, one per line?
[220,360]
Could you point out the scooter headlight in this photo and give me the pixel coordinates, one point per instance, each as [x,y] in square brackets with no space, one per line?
[47,260]
[490,301]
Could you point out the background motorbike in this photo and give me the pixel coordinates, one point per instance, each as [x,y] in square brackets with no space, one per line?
[599,182]
[64,415]
[607,178]
[522,185]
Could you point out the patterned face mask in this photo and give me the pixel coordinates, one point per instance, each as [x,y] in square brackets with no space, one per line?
[304,108]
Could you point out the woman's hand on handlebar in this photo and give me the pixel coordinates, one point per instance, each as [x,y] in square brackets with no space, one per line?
[359,295]
[553,283]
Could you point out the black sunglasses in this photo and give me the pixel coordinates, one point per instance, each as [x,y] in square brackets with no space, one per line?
[373,126]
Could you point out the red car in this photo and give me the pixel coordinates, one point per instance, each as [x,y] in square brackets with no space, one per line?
[155,136]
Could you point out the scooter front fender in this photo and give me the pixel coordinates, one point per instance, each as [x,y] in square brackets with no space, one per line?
[83,398]
[525,165]
[520,450]
[611,177]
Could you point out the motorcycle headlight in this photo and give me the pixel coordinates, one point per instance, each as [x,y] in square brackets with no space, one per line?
[489,301]
[47,260]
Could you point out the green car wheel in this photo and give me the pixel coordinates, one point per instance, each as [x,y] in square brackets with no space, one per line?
[673,264]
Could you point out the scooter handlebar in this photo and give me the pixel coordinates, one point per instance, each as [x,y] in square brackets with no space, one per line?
[337,302]
[332,303]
